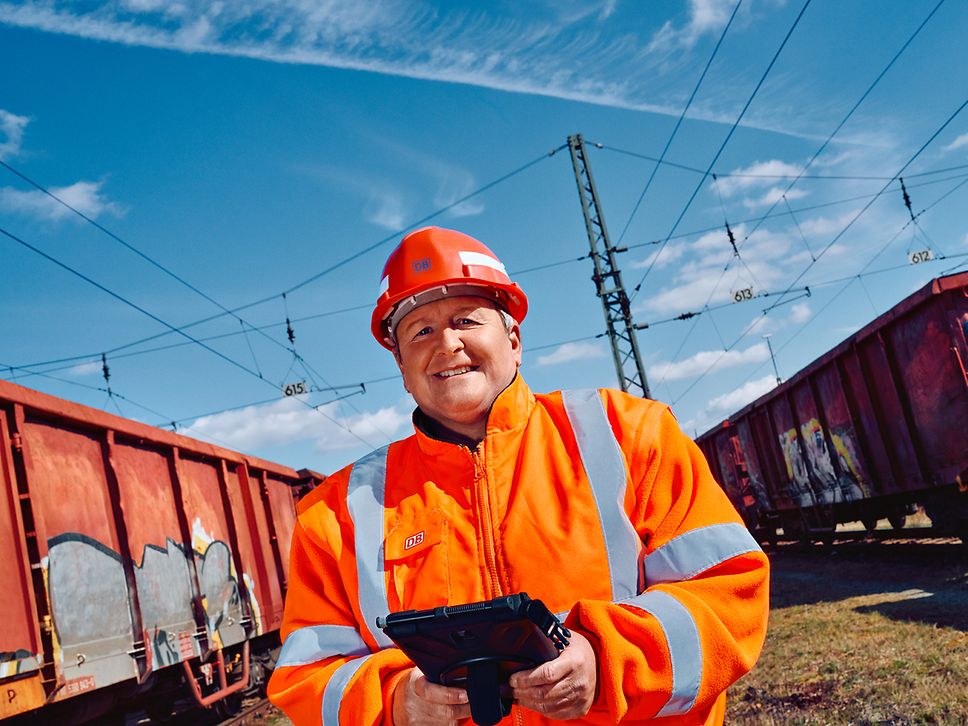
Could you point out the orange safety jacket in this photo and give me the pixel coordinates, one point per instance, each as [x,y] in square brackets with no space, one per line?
[592,501]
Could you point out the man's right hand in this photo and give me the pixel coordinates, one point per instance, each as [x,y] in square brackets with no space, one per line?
[418,701]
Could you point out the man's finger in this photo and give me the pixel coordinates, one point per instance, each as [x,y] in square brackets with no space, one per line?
[550,672]
[436,693]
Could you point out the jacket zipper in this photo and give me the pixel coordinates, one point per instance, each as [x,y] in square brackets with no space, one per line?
[484,512]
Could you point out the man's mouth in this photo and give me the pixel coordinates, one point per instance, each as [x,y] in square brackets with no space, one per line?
[450,373]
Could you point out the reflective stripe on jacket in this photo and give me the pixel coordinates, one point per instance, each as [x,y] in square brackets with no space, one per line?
[593,501]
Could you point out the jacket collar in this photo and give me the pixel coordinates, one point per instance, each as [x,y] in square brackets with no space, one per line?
[510,411]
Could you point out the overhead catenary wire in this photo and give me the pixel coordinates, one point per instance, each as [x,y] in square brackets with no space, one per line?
[679,121]
[767,310]
[117,351]
[867,206]
[722,147]
[337,265]
[802,173]
[154,317]
[857,105]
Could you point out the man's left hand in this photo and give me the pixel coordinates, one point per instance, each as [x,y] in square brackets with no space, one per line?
[562,688]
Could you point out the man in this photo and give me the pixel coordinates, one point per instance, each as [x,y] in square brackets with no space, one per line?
[592,501]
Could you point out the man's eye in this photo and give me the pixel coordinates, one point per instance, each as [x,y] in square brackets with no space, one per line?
[467,321]
[422,331]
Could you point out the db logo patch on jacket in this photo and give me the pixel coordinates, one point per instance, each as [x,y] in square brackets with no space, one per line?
[414,534]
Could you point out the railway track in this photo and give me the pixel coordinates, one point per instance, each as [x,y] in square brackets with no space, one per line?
[252,713]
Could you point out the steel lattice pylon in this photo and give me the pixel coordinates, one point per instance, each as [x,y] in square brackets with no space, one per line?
[608,278]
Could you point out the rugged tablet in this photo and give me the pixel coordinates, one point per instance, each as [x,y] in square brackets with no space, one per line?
[479,645]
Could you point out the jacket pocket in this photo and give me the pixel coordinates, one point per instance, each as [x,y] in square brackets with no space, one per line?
[416,557]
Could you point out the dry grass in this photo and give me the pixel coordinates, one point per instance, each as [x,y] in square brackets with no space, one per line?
[873,635]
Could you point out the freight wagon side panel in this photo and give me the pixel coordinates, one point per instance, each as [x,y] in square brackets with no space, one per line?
[845,442]
[883,392]
[284,515]
[764,440]
[271,605]
[932,387]
[882,467]
[161,565]
[793,488]
[253,542]
[756,499]
[19,642]
[79,547]
[218,579]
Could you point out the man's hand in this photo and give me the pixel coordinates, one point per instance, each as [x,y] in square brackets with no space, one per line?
[562,688]
[418,701]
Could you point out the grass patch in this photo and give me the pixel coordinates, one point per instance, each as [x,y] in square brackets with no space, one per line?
[869,636]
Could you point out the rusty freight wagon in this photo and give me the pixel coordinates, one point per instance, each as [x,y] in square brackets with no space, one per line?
[868,430]
[137,565]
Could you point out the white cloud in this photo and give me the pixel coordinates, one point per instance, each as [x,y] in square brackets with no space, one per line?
[572,53]
[959,143]
[824,226]
[765,257]
[705,16]
[735,400]
[84,196]
[288,420]
[85,369]
[571,351]
[386,210]
[11,133]
[662,256]
[725,405]
[772,196]
[705,360]
[800,313]
[758,174]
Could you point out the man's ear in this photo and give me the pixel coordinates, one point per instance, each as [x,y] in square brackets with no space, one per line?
[399,362]
[514,335]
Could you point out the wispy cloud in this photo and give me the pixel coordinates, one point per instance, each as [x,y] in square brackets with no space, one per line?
[772,196]
[84,196]
[758,174]
[85,369]
[700,276]
[571,351]
[734,400]
[705,16]
[575,51]
[288,421]
[11,133]
[728,403]
[386,209]
[959,143]
[705,360]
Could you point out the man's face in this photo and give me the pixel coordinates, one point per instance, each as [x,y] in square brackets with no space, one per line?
[456,356]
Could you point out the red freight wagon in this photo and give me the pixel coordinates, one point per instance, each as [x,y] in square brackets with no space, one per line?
[872,427]
[126,549]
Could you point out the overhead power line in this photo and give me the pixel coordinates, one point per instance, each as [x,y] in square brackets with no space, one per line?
[337,265]
[675,129]
[767,310]
[154,317]
[722,147]
[876,197]
[803,172]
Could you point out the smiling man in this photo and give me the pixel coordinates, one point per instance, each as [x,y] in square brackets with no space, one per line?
[593,501]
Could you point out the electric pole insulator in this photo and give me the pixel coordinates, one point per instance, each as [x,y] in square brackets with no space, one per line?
[615,301]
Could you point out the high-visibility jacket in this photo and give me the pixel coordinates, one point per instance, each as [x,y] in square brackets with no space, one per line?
[592,501]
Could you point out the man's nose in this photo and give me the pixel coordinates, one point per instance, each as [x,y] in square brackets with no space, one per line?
[451,340]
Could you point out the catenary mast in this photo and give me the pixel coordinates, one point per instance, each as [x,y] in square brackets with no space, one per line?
[608,278]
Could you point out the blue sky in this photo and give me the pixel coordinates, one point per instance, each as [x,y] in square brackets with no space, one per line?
[248,146]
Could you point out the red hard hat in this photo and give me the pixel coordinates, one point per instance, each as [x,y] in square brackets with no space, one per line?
[432,263]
